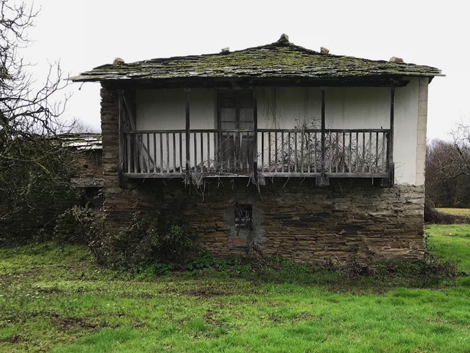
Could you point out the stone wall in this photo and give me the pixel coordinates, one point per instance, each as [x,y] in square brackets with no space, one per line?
[89,164]
[350,219]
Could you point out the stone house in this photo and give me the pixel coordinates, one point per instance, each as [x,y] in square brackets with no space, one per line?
[276,149]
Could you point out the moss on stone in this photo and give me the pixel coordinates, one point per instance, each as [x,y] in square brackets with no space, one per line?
[277,60]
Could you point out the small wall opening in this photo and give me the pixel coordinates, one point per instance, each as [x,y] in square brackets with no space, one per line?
[243,216]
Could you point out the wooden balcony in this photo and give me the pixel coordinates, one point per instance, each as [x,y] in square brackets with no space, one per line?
[266,153]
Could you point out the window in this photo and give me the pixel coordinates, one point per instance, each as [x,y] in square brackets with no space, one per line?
[235,110]
[243,216]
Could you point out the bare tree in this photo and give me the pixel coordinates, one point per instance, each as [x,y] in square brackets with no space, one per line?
[34,168]
[460,160]
[448,170]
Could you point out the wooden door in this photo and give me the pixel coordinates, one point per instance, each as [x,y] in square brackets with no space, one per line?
[235,123]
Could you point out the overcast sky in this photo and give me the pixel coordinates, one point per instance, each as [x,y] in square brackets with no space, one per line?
[88,33]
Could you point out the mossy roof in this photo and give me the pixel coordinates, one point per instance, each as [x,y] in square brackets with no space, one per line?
[279,60]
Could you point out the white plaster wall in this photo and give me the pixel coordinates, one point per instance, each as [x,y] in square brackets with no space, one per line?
[165,109]
[279,107]
[406,125]
[288,107]
[357,107]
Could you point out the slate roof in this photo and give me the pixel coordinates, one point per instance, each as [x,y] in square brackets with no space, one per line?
[82,141]
[281,59]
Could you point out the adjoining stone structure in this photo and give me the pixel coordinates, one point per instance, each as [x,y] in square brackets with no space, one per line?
[248,178]
[88,177]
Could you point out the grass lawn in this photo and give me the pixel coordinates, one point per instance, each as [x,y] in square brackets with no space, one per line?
[465,212]
[56,299]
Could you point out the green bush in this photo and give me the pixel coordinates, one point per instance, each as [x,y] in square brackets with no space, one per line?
[77,225]
[149,241]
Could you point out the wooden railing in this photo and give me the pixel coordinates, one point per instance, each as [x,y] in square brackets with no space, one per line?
[274,152]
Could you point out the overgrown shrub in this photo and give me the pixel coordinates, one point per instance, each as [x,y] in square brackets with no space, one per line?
[77,225]
[338,275]
[154,240]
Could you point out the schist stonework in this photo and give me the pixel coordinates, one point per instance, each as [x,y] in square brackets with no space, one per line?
[277,149]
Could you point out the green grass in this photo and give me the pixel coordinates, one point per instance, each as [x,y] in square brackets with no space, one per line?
[56,299]
[465,212]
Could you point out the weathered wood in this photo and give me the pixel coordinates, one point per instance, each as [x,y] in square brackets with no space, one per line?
[187,115]
[297,152]
[391,164]
[323,123]
[122,154]
[255,137]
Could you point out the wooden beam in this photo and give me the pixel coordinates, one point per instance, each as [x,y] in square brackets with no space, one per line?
[391,164]
[188,135]
[121,114]
[247,83]
[255,137]
[323,126]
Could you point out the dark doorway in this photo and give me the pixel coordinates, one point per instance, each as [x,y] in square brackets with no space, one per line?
[235,123]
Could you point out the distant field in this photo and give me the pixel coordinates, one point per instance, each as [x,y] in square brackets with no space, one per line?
[456,211]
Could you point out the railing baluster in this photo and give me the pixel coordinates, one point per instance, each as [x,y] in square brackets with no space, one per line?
[262,151]
[195,151]
[136,153]
[384,151]
[315,151]
[174,154]
[302,137]
[282,152]
[143,169]
[154,142]
[180,138]
[269,149]
[228,149]
[343,156]
[350,153]
[208,152]
[202,152]
[337,154]
[363,152]
[161,152]
[240,151]
[357,151]
[295,151]
[167,152]
[234,151]
[309,152]
[376,151]
[330,150]
[290,152]
[147,169]
[276,150]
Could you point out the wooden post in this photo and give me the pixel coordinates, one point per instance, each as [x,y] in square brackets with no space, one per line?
[391,164]
[323,179]
[323,118]
[255,137]
[188,147]
[119,97]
